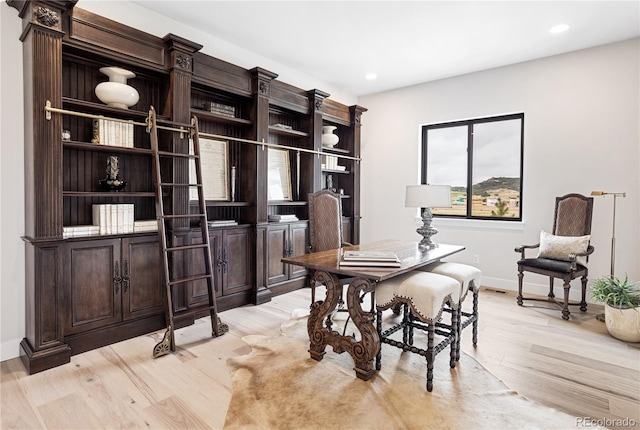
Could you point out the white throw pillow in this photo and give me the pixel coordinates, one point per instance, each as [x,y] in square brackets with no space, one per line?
[559,247]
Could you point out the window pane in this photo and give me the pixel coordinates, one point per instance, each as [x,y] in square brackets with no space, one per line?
[447,165]
[496,169]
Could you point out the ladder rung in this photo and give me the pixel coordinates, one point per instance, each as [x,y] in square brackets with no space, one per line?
[186,247]
[192,311]
[190,279]
[177,154]
[174,184]
[182,216]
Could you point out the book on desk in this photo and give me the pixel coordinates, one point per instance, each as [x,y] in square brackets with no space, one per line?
[369,259]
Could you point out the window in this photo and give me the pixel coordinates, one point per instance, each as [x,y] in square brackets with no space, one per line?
[483,155]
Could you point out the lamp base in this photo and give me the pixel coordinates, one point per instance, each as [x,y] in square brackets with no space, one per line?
[427,231]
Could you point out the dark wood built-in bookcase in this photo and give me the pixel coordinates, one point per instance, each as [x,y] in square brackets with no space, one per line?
[86,290]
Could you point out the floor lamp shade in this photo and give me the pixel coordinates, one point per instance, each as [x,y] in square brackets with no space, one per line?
[427,196]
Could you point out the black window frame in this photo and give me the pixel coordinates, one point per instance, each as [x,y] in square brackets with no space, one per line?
[469,123]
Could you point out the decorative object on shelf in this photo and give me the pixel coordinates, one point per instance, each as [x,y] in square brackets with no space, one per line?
[329,139]
[233,183]
[601,317]
[278,175]
[214,159]
[330,183]
[66,135]
[116,93]
[427,197]
[112,182]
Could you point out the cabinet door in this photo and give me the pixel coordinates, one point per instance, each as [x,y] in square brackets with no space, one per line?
[197,290]
[142,277]
[277,244]
[298,243]
[93,284]
[237,268]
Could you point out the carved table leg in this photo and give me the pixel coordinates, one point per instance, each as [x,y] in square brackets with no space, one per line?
[364,351]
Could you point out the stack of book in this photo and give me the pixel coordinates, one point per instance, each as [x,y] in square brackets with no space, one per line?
[331,162]
[145,225]
[114,133]
[80,230]
[220,109]
[113,218]
[221,223]
[370,259]
[283,218]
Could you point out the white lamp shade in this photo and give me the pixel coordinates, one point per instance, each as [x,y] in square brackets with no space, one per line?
[428,196]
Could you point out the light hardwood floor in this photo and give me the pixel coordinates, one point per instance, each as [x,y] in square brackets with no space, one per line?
[573,366]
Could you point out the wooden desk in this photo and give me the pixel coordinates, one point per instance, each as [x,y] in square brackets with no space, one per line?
[323,268]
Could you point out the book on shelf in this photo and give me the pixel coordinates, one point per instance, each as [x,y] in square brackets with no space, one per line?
[113,218]
[221,223]
[80,230]
[283,218]
[145,225]
[370,256]
[113,133]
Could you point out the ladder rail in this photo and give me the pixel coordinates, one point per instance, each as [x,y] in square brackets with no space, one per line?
[167,344]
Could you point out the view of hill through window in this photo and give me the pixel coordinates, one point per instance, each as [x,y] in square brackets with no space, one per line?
[484,155]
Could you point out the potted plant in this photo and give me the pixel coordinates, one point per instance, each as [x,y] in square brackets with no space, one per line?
[621,299]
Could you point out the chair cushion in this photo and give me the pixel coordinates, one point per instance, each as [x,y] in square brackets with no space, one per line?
[549,264]
[559,247]
[425,292]
[463,273]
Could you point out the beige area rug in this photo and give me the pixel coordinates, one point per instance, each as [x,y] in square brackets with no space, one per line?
[278,386]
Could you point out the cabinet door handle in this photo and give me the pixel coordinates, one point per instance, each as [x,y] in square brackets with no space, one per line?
[117,280]
[225,261]
[125,277]
[220,260]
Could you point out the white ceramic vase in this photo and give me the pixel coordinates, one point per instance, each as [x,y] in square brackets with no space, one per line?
[328,138]
[623,324]
[116,92]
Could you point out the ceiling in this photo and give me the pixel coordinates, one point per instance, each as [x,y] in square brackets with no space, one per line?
[404,42]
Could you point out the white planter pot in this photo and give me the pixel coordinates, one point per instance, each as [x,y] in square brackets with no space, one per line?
[623,324]
[116,92]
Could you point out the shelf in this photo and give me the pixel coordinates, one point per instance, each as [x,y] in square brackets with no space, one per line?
[335,150]
[114,194]
[287,132]
[105,148]
[222,204]
[341,172]
[204,115]
[99,108]
[286,203]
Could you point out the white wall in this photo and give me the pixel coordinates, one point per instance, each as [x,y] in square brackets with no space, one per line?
[12,151]
[582,124]
[11,184]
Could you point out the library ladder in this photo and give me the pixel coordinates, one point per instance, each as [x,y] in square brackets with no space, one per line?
[170,250]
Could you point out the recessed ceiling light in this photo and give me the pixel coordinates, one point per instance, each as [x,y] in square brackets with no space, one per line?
[560,28]
[370,76]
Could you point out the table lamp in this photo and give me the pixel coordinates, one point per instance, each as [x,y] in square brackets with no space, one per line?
[427,197]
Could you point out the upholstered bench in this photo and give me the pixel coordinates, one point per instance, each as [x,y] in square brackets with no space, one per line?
[423,296]
[469,278]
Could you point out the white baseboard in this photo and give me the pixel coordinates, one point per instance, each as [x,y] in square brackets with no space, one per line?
[9,350]
[575,292]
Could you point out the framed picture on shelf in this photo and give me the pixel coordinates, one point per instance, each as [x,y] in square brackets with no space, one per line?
[214,159]
[279,175]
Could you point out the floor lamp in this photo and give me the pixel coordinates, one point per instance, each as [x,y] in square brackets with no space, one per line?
[613,233]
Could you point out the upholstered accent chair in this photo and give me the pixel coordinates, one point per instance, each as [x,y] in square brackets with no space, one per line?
[325,226]
[562,254]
